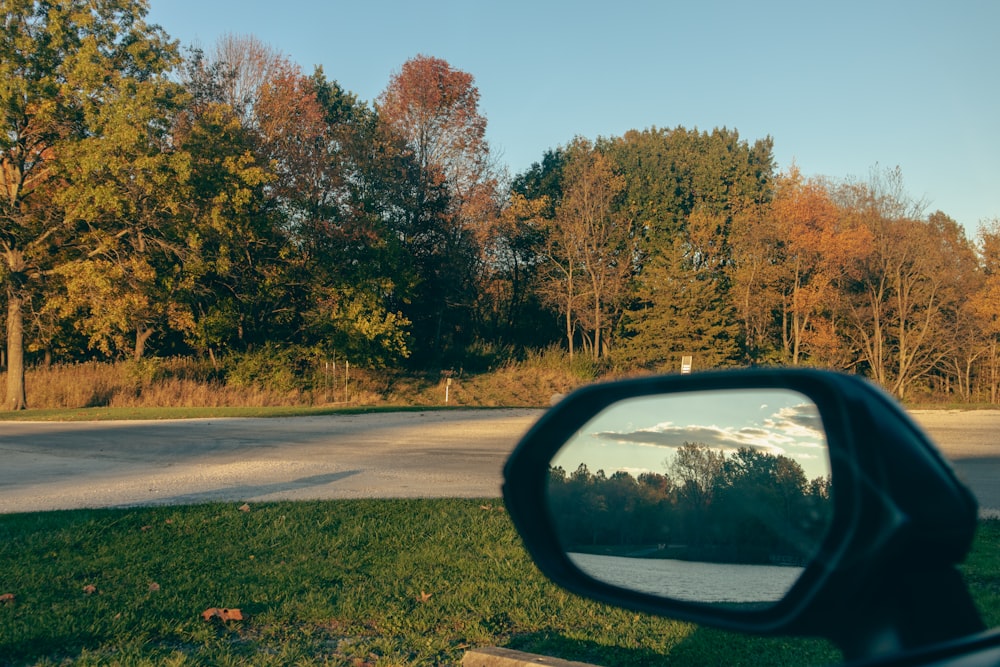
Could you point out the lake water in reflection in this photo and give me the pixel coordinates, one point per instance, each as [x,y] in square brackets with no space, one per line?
[691,581]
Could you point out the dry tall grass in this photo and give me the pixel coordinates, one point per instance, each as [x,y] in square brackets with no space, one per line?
[167,383]
[189,383]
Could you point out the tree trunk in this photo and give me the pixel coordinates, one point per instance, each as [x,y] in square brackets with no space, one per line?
[569,313]
[142,335]
[16,396]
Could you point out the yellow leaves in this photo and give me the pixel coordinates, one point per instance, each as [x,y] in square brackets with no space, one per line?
[222,614]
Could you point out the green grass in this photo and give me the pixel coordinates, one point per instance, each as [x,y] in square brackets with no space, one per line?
[981,571]
[354,582]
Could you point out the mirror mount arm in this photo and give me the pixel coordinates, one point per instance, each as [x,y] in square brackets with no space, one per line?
[902,610]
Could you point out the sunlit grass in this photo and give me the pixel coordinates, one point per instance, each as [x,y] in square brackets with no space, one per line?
[334,582]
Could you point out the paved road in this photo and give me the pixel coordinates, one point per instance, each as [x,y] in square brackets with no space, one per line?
[455,453]
[971,441]
[408,454]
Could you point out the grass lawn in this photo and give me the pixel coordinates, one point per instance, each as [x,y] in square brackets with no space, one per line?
[353,582]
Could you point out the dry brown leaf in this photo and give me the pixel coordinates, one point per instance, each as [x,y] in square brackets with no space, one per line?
[89,589]
[7,598]
[424,597]
[223,614]
[153,587]
[244,507]
[486,508]
[145,528]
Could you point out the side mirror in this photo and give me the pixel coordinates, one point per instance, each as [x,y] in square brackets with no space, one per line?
[767,501]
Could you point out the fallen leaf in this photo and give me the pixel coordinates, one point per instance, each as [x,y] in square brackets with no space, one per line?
[145,528]
[424,597]
[486,508]
[169,521]
[153,587]
[244,507]
[7,598]
[222,614]
[89,589]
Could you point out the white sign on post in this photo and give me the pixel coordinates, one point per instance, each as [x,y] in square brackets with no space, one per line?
[686,365]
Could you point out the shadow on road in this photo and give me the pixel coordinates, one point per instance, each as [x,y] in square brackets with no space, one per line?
[233,493]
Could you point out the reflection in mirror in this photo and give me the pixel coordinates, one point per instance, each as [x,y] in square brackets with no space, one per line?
[719,497]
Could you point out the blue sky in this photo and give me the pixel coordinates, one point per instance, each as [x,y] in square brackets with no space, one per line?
[841,86]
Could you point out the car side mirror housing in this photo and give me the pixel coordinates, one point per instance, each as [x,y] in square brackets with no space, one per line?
[787,501]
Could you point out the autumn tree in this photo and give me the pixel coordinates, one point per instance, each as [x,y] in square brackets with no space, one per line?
[513,270]
[590,247]
[123,187]
[64,66]
[820,244]
[434,108]
[907,285]
[243,68]
[984,304]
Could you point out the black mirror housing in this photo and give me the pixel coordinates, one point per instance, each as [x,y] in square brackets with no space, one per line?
[899,515]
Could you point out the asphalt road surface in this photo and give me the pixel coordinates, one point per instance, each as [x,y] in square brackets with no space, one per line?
[457,453]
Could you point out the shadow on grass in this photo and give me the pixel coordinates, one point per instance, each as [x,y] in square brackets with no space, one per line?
[250,491]
[558,645]
[704,646]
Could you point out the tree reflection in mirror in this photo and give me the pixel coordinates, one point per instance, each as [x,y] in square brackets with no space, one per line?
[718,497]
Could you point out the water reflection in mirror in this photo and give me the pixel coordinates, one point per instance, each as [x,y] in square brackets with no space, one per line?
[715,497]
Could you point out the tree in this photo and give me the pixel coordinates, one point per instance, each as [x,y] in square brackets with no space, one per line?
[234,249]
[63,66]
[820,247]
[591,247]
[907,286]
[348,233]
[244,67]
[985,305]
[685,192]
[434,109]
[509,290]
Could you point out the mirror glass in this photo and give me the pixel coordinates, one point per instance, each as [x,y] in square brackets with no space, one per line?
[719,497]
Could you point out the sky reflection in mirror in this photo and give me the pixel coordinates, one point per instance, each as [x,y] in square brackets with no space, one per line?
[637,435]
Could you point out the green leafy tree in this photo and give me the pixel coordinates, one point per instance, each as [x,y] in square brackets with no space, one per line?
[685,191]
[352,238]
[234,245]
[65,68]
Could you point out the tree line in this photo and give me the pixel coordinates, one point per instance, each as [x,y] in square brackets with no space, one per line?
[167,201]
[746,507]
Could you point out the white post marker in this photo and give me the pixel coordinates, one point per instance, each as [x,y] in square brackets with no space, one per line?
[686,364]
